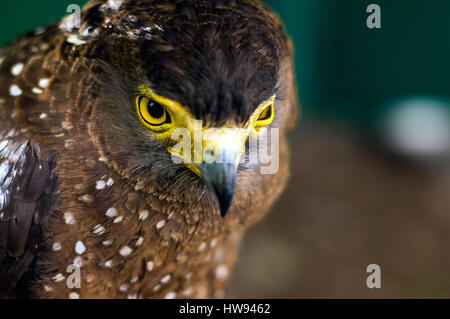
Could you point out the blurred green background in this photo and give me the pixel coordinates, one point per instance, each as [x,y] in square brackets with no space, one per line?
[370,159]
[344,69]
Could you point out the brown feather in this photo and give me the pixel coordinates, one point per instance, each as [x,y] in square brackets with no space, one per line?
[138,224]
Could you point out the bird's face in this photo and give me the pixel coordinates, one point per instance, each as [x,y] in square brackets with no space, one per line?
[213,154]
[175,112]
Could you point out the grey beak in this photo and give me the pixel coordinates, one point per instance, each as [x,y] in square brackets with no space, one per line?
[221,179]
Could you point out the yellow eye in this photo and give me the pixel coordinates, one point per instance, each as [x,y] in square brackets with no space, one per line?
[152,113]
[266,115]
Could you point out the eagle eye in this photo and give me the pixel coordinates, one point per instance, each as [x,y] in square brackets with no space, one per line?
[266,115]
[151,112]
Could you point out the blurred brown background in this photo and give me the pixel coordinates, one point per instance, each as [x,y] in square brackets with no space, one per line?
[371,158]
[348,206]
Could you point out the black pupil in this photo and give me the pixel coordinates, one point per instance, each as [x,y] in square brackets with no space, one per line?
[267,113]
[155,109]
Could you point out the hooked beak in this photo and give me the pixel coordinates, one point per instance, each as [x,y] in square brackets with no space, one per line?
[221,179]
[216,160]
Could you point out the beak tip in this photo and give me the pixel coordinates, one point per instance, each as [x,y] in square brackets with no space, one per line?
[224,207]
[221,180]
[224,199]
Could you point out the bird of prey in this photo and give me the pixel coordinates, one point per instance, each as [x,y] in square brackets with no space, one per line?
[87,171]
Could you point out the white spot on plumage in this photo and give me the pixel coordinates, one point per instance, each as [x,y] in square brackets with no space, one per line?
[109,182]
[79,247]
[160,224]
[37,90]
[74,295]
[43,116]
[123,287]
[170,295]
[125,251]
[114,4]
[87,198]
[107,242]
[16,69]
[14,90]
[75,40]
[166,279]
[139,241]
[47,288]
[118,220]
[111,212]
[43,83]
[150,265]
[98,229]
[108,264]
[56,246]
[68,218]
[134,280]
[132,296]
[222,272]
[100,185]
[58,277]
[143,215]
[156,287]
